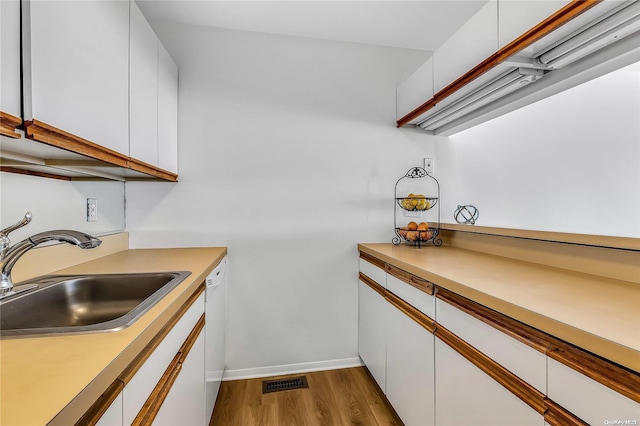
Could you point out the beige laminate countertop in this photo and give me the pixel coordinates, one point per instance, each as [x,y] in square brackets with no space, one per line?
[601,315]
[55,379]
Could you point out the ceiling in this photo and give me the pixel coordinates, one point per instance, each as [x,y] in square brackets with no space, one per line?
[423,25]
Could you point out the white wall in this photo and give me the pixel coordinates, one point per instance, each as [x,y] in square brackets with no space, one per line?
[288,156]
[59,204]
[568,163]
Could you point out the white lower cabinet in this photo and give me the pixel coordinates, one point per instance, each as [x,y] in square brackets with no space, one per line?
[113,415]
[589,400]
[185,404]
[371,331]
[467,396]
[410,370]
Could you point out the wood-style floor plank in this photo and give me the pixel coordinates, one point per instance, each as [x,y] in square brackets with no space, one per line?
[334,398]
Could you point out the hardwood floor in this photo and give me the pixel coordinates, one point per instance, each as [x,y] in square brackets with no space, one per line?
[336,397]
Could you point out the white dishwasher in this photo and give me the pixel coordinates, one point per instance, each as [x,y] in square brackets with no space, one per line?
[214,363]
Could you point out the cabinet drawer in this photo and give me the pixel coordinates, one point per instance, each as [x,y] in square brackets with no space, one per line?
[413,290]
[517,357]
[138,389]
[587,399]
[372,271]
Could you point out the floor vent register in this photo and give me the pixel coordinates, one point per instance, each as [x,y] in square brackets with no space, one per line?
[290,383]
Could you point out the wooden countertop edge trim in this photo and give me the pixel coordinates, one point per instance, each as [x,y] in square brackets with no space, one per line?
[523,333]
[411,279]
[8,125]
[50,135]
[523,390]
[134,366]
[557,19]
[152,405]
[557,415]
[97,410]
[605,241]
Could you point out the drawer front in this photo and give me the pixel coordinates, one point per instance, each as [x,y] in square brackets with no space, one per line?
[143,382]
[420,300]
[372,271]
[522,360]
[589,400]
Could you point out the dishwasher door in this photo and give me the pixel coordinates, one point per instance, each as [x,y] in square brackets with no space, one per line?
[215,334]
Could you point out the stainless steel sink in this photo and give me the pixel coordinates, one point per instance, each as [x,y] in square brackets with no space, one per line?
[84,303]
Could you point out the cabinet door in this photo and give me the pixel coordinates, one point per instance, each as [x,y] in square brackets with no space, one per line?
[184,404]
[77,68]
[515,17]
[475,41]
[167,111]
[522,360]
[587,399]
[10,43]
[415,90]
[143,89]
[215,341]
[410,370]
[113,415]
[373,311]
[465,395]
[138,389]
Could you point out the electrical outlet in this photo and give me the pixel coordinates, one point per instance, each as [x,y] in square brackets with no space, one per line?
[92,209]
[428,165]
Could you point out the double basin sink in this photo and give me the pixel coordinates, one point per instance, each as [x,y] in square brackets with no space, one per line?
[73,304]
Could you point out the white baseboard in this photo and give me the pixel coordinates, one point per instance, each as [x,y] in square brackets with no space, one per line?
[279,370]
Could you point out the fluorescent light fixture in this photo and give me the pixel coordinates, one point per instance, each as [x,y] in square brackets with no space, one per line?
[486,94]
[620,23]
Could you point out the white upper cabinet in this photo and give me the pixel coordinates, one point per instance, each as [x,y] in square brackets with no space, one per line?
[167,111]
[143,89]
[471,44]
[515,17]
[415,90]
[10,44]
[76,57]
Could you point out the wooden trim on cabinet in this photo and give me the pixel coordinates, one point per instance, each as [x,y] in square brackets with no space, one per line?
[142,167]
[8,125]
[515,329]
[50,135]
[556,415]
[135,365]
[32,173]
[410,311]
[523,390]
[613,376]
[374,285]
[419,283]
[97,410]
[559,18]
[152,405]
[45,133]
[413,313]
[373,260]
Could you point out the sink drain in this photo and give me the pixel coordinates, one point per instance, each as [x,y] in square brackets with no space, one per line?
[291,383]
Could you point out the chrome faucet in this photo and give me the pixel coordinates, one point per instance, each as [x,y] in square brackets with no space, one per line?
[10,255]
